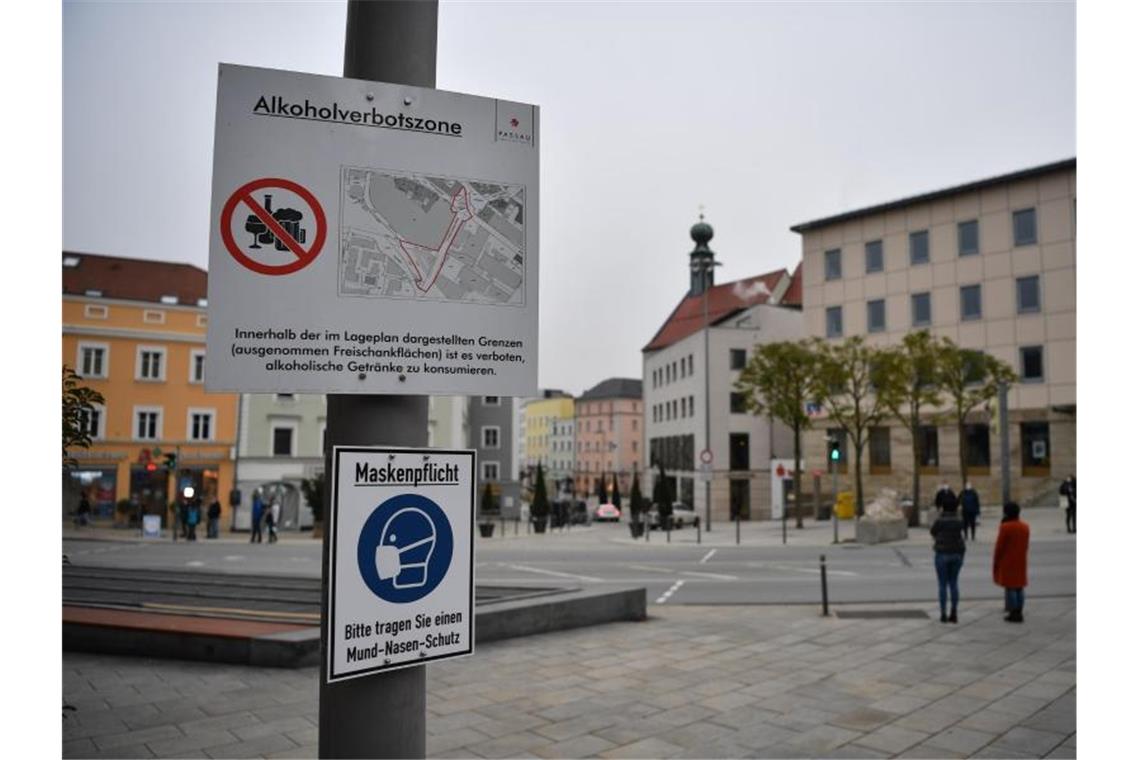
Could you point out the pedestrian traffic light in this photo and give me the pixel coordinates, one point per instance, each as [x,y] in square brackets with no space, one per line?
[171,461]
[833,449]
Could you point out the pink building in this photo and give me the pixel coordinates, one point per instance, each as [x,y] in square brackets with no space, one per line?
[608,433]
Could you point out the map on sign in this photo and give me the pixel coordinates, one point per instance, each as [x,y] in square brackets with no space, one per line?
[431,238]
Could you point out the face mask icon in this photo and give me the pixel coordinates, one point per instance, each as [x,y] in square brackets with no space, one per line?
[406,544]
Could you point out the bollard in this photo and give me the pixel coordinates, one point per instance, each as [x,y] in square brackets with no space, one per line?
[823,581]
[784,523]
[698,526]
[502,526]
[738,527]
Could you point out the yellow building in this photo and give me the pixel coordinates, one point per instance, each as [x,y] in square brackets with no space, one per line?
[539,419]
[136,332]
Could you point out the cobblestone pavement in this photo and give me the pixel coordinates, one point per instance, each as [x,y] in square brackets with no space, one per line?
[731,681]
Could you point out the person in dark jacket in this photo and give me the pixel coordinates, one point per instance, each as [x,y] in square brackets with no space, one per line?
[1011,560]
[1069,491]
[949,551]
[213,514]
[971,508]
[256,516]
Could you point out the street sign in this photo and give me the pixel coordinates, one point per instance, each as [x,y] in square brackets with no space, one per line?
[371,238]
[706,456]
[401,558]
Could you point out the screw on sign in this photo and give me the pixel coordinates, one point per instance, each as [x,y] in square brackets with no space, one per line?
[276,231]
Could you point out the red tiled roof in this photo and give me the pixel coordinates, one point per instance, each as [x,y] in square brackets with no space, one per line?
[794,295]
[724,301]
[133,279]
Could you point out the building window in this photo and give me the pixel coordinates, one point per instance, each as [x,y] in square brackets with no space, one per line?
[94,311]
[919,309]
[690,364]
[971,296]
[1032,364]
[977,443]
[148,423]
[283,444]
[833,264]
[285,398]
[738,451]
[91,421]
[197,366]
[150,364]
[673,404]
[968,238]
[834,321]
[690,406]
[1035,449]
[490,471]
[738,403]
[201,424]
[491,401]
[880,448]
[919,247]
[154,317]
[974,367]
[876,316]
[928,448]
[873,253]
[92,360]
[491,437]
[1028,294]
[837,434]
[737,358]
[1025,227]
[202,320]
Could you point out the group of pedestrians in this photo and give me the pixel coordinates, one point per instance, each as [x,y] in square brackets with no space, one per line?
[188,515]
[259,514]
[1011,550]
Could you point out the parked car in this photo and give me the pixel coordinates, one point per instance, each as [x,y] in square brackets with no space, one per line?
[682,515]
[607,513]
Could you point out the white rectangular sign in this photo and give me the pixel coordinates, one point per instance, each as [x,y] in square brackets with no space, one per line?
[401,558]
[371,238]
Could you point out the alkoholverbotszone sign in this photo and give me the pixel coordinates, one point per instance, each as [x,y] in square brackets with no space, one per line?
[371,238]
[401,558]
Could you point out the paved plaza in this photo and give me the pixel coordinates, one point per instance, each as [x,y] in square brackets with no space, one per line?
[692,681]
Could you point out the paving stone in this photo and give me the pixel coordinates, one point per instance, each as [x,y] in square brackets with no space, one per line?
[862,719]
[307,752]
[579,746]
[460,737]
[583,724]
[991,721]
[893,739]
[280,726]
[927,720]
[79,748]
[134,738]
[113,753]
[899,704]
[176,747]
[647,748]
[822,739]
[258,747]
[1029,740]
[963,740]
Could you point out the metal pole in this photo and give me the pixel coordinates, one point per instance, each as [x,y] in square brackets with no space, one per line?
[737,527]
[823,581]
[834,500]
[1003,411]
[383,715]
[705,270]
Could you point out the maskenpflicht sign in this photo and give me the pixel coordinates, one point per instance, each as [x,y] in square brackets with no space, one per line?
[401,557]
[371,238]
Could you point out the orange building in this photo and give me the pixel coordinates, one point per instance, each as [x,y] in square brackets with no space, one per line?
[135,331]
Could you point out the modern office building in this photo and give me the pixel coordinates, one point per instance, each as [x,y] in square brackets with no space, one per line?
[610,428]
[990,264]
[690,408]
[135,331]
[491,431]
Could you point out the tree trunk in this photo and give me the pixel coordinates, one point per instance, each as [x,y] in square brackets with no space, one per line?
[858,480]
[796,477]
[912,518]
[962,450]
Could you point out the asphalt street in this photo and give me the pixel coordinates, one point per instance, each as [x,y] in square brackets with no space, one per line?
[680,572]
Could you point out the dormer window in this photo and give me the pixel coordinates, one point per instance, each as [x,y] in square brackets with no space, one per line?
[70,262]
[168,299]
[93,293]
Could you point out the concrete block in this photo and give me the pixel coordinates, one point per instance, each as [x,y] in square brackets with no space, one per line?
[878,532]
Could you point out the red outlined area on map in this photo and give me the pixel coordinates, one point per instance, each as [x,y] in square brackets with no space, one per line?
[462,213]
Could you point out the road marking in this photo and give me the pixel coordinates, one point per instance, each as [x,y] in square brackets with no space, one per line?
[314,616]
[555,573]
[707,557]
[234,557]
[651,569]
[665,597]
[717,576]
[195,563]
[809,570]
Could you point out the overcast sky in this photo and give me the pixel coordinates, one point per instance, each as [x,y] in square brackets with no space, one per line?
[767,114]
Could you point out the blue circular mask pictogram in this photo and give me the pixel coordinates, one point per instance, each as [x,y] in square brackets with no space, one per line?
[405,548]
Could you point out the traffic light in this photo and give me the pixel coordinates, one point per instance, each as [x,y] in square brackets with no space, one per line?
[833,449]
[171,461]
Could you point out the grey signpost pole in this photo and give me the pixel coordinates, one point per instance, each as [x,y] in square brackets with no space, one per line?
[381,715]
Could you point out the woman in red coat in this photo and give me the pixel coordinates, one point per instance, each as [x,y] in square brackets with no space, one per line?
[1011,560]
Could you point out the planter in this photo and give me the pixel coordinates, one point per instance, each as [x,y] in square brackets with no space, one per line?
[539,525]
[881,531]
[319,529]
[486,529]
[636,529]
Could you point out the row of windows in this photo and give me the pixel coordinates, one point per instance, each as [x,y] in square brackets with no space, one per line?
[93,360]
[669,373]
[1024,233]
[1027,292]
[148,423]
[976,439]
[149,316]
[668,410]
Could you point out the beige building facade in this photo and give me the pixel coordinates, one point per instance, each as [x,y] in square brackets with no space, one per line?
[609,426]
[990,265]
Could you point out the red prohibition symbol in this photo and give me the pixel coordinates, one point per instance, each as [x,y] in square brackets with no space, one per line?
[279,229]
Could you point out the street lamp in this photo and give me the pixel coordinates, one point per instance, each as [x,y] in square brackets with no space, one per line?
[702,264]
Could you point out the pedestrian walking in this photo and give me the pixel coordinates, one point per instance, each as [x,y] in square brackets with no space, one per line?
[1069,491]
[213,515]
[971,509]
[1011,560]
[273,518]
[83,511]
[949,551]
[193,517]
[175,520]
[256,517]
